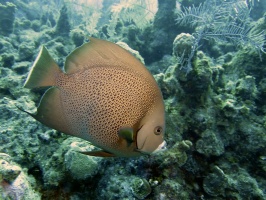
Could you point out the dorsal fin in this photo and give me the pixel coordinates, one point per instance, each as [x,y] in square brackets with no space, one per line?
[100,53]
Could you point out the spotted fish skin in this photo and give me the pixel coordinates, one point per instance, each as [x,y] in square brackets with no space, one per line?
[104,100]
[102,91]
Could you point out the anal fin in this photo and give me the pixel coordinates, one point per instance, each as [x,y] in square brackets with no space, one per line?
[99,153]
[50,111]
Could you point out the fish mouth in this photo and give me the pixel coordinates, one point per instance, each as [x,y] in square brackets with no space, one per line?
[161,147]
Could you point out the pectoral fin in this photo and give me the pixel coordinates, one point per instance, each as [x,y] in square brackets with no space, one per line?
[126,134]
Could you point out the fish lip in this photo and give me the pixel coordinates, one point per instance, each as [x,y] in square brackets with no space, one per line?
[161,147]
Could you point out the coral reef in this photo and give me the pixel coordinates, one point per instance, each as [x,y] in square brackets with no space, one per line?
[80,166]
[14,182]
[130,187]
[171,189]
[215,112]
[7,13]
[63,26]
[211,22]
[78,36]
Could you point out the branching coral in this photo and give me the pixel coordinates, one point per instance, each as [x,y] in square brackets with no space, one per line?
[220,21]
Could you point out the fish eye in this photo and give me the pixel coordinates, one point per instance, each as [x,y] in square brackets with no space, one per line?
[158,130]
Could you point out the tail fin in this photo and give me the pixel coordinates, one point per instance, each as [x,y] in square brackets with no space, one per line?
[43,72]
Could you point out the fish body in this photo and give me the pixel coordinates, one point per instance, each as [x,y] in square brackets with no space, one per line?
[105,96]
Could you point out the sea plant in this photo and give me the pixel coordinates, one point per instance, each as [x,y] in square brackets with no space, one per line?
[138,12]
[252,2]
[226,21]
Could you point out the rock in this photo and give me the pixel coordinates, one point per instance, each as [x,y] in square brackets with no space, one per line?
[81,166]
[7,13]
[140,188]
[123,187]
[176,155]
[14,182]
[132,51]
[170,189]
[77,37]
[210,144]
[236,184]
[26,51]
[182,45]
[63,26]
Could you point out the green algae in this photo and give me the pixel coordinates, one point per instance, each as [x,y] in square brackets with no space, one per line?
[7,13]
[215,118]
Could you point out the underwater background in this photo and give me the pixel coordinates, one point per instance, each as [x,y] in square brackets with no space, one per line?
[208,57]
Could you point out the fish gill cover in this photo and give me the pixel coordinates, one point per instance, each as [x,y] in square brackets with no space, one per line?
[215,105]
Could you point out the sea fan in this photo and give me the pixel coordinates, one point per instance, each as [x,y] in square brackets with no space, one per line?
[139,12]
[223,21]
[252,2]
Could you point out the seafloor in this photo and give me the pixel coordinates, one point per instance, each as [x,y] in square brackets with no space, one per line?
[214,88]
